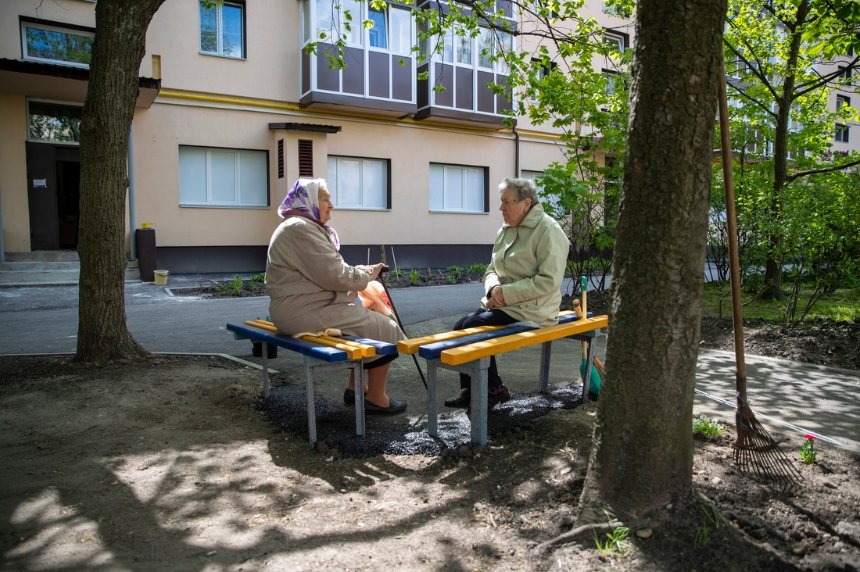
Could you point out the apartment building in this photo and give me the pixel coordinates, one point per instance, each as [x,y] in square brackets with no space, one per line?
[233,108]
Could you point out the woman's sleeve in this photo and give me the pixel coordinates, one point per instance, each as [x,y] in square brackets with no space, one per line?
[320,262]
[491,277]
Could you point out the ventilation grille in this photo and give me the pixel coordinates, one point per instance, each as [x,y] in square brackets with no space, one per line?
[280,158]
[306,158]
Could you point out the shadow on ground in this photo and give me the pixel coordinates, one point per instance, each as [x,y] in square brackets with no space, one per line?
[403,435]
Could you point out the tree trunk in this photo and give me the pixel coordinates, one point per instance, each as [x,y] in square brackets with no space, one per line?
[105,125]
[643,451]
[773,266]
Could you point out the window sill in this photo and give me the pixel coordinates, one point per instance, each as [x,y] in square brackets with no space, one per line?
[222,56]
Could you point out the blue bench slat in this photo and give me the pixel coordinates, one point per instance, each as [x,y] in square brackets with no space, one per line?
[382,348]
[434,350]
[324,353]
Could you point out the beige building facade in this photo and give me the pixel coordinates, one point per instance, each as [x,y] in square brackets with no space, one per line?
[232,111]
[236,102]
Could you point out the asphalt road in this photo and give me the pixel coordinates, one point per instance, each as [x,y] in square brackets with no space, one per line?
[45,319]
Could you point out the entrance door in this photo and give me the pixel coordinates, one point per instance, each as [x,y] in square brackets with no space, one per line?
[53,177]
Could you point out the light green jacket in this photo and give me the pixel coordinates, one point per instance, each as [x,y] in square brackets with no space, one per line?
[529,262]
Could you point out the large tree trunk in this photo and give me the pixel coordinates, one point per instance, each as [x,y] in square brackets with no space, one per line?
[643,449]
[105,125]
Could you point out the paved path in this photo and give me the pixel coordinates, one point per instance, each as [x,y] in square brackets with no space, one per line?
[786,396]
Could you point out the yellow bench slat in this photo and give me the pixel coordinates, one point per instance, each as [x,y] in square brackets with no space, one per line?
[262,324]
[351,351]
[412,345]
[478,350]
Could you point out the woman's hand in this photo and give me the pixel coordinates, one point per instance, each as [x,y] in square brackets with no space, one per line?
[374,270]
[496,299]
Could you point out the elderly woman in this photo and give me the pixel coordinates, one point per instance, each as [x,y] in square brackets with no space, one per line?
[312,288]
[523,279]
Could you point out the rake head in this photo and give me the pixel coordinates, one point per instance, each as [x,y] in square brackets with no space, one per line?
[757,454]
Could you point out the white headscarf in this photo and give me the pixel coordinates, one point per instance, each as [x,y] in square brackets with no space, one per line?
[303,200]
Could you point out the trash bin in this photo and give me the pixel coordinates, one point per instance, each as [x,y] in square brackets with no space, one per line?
[146,260]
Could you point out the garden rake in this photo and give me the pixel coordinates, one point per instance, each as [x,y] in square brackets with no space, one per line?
[755,451]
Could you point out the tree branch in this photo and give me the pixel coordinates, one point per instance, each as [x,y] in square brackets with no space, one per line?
[830,169]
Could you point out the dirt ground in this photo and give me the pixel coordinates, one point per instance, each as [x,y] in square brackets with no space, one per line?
[175,465]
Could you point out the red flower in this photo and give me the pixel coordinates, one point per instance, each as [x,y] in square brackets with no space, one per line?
[809,437]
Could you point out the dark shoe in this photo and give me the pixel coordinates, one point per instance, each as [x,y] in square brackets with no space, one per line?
[500,396]
[395,406]
[463,400]
[348,396]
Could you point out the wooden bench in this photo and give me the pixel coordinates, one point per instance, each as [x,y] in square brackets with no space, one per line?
[468,351]
[320,353]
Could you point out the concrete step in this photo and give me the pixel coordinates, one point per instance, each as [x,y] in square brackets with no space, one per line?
[49,268]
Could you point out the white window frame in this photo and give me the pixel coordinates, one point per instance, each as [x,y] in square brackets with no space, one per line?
[841,133]
[191,185]
[219,30]
[25,51]
[615,38]
[438,193]
[369,199]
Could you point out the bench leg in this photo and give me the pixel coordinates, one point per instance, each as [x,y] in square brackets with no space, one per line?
[360,377]
[478,418]
[311,405]
[266,387]
[543,376]
[432,369]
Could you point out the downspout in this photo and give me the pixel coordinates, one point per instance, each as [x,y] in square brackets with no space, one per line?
[132,213]
[516,151]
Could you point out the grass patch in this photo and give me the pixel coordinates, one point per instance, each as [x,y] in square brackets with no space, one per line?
[842,305]
[707,427]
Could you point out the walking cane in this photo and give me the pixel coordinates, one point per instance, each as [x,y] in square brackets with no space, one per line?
[400,322]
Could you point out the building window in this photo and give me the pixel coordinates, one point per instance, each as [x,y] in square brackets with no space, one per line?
[458,188]
[338,19]
[46,42]
[222,29]
[841,133]
[845,73]
[842,101]
[541,73]
[616,40]
[400,23]
[614,85]
[378,34]
[53,122]
[359,183]
[614,9]
[215,177]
